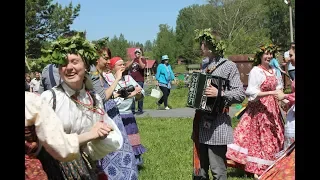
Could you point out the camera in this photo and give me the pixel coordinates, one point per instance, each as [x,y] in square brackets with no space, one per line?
[125,91]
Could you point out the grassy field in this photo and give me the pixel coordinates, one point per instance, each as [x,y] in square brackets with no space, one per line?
[177,99]
[169,149]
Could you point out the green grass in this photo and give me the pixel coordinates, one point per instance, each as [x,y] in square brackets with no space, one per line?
[180,69]
[169,149]
[177,99]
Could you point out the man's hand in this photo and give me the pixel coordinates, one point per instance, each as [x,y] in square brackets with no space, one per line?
[211,91]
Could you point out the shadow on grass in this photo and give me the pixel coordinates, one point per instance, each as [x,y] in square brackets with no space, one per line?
[238,173]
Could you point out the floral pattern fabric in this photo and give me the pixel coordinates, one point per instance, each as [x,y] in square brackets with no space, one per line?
[260,132]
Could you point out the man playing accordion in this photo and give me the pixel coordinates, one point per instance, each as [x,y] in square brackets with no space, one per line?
[213,131]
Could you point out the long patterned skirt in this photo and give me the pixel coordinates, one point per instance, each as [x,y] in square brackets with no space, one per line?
[130,124]
[120,164]
[283,168]
[72,170]
[258,137]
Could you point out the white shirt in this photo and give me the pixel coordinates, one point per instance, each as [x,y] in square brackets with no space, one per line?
[49,129]
[35,84]
[77,119]
[290,120]
[290,66]
[124,105]
[256,78]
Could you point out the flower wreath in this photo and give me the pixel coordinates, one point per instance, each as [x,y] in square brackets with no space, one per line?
[77,44]
[256,60]
[213,43]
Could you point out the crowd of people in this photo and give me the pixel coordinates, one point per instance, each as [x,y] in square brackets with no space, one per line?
[80,115]
[262,142]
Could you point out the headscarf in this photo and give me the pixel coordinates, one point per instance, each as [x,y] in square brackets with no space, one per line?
[113,62]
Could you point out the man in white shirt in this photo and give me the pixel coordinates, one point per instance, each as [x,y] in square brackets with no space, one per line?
[291,68]
[35,83]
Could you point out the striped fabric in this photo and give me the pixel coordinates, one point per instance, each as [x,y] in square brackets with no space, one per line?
[97,84]
[219,131]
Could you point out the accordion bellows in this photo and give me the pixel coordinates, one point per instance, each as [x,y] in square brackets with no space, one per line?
[196,97]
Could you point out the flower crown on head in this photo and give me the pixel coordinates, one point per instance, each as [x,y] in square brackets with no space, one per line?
[262,49]
[214,43]
[77,44]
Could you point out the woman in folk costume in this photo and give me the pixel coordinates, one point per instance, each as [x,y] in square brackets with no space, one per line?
[44,128]
[78,109]
[120,164]
[124,101]
[260,133]
[284,167]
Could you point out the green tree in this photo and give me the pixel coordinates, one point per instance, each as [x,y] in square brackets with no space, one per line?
[46,21]
[147,46]
[278,21]
[166,44]
[240,21]
[191,18]
[118,46]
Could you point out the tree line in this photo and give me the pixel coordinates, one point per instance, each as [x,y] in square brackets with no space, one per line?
[243,25]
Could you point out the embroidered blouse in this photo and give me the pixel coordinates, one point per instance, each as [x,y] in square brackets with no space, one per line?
[124,105]
[78,119]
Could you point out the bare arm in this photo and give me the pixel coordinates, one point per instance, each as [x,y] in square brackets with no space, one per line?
[109,91]
[142,64]
[129,64]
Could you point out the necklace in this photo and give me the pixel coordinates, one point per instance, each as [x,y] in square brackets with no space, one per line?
[268,70]
[89,106]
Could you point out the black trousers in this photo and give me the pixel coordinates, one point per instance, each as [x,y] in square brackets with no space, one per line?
[165,95]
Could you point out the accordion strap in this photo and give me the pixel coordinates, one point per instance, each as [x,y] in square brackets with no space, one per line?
[220,64]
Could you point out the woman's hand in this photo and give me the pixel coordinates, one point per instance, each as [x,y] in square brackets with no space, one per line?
[137,89]
[280,95]
[100,130]
[118,74]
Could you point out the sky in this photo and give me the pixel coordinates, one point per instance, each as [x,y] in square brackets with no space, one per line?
[137,20]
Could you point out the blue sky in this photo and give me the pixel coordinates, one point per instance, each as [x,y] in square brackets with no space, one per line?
[138,20]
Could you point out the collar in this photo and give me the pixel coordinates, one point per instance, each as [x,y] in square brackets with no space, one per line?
[70,92]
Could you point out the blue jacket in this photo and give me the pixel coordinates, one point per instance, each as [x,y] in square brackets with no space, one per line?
[162,75]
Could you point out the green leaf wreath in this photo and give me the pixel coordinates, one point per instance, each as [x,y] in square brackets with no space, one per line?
[211,41]
[58,50]
[256,60]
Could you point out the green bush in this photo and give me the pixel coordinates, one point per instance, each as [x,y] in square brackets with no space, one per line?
[180,84]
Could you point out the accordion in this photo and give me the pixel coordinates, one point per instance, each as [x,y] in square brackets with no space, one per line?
[196,97]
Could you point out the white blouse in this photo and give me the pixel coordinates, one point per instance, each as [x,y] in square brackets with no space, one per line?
[256,77]
[123,104]
[49,129]
[77,119]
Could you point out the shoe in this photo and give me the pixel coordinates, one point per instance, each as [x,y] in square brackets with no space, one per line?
[157,103]
[139,112]
[167,108]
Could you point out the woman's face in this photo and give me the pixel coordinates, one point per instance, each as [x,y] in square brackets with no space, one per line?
[266,57]
[28,79]
[119,65]
[73,72]
[292,56]
[103,61]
